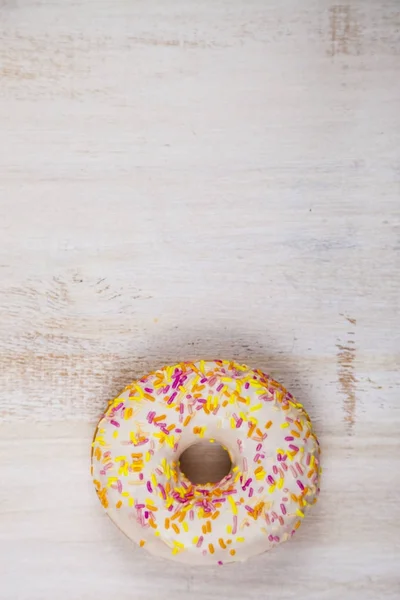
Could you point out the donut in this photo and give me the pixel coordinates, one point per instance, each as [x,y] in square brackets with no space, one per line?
[261,502]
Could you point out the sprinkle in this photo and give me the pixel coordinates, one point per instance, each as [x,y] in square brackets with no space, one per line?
[299,513]
[148,484]
[301,486]
[232,552]
[235,525]
[284,425]
[268,425]
[283,509]
[222,543]
[211,548]
[240,539]
[199,543]
[142,543]
[233,505]
[175,528]
[115,423]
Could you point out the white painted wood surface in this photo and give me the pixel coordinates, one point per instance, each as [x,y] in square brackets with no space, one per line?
[198,179]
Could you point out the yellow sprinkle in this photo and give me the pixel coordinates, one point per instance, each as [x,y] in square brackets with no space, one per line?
[147,456]
[255,407]
[233,505]
[271,488]
[280,483]
[284,425]
[178,544]
[299,513]
[185,526]
[240,539]
[115,434]
[229,529]
[195,539]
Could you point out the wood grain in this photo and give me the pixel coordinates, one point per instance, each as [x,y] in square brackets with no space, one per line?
[190,180]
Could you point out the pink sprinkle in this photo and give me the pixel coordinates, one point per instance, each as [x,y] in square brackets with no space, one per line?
[261,489]
[115,423]
[308,460]
[238,423]
[235,524]
[292,447]
[148,484]
[141,476]
[108,466]
[172,398]
[191,515]
[245,467]
[139,506]
[200,541]
[220,562]
[251,491]
[219,388]
[240,445]
[256,458]
[119,486]
[279,457]
[146,514]
[283,509]
[248,508]
[162,490]
[271,538]
[301,486]
[246,385]
[300,470]
[276,538]
[248,482]
[259,446]
[271,480]
[234,415]
[181,408]
[178,430]
[293,470]
[274,514]
[284,457]
[149,390]
[166,389]
[284,465]
[289,438]
[275,469]
[229,492]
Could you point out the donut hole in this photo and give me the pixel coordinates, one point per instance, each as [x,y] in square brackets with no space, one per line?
[205,462]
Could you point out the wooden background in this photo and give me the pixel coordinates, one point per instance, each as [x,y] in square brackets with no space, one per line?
[198,178]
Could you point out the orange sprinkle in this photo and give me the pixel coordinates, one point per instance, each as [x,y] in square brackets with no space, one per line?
[297,525]
[119,504]
[149,397]
[268,425]
[211,548]
[187,421]
[225,403]
[232,552]
[295,433]
[222,543]
[152,524]
[160,418]
[175,528]
[215,515]
[166,523]
[252,428]
[142,543]
[209,526]
[204,528]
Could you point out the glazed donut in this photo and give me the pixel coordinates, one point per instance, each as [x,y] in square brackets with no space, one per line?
[261,502]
